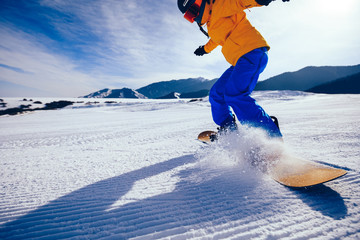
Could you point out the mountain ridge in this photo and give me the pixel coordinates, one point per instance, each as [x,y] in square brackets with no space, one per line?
[161,89]
[301,80]
[306,78]
[339,86]
[115,93]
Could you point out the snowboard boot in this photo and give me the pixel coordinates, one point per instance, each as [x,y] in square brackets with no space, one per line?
[275,120]
[227,127]
[232,126]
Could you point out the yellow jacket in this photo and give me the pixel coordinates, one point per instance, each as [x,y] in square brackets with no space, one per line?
[228,27]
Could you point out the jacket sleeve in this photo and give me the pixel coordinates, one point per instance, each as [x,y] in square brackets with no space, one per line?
[210,45]
[226,8]
[264,2]
[240,5]
[249,3]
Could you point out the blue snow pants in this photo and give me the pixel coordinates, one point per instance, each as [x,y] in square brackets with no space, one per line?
[233,90]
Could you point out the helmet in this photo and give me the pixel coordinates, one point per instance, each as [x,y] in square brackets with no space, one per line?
[184,5]
[191,8]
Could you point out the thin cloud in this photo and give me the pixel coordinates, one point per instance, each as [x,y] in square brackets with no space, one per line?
[39,68]
[74,47]
[15,69]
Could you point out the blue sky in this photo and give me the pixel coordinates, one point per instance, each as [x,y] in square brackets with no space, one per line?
[71,48]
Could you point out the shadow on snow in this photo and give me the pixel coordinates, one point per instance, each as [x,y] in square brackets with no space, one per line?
[199,199]
[323,199]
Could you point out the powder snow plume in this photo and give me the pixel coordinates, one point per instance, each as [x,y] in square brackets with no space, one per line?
[248,150]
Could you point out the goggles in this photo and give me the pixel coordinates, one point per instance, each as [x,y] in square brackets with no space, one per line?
[193,11]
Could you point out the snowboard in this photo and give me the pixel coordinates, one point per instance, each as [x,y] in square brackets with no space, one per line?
[293,171]
[205,136]
[296,172]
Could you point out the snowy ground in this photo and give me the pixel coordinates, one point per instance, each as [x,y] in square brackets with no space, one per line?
[134,170]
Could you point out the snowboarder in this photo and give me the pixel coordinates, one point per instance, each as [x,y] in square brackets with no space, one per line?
[244,48]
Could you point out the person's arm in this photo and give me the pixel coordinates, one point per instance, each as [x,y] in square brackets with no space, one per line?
[243,4]
[210,45]
[267,2]
[207,48]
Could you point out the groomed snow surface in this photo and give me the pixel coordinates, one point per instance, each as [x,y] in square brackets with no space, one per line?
[134,170]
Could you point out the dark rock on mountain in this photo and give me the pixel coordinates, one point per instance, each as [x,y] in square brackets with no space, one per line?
[26,108]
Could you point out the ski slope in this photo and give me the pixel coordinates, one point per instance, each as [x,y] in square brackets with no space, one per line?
[133,170]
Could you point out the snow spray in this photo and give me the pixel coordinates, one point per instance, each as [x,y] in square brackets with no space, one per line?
[248,149]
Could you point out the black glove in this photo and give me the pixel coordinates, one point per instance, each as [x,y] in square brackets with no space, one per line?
[200,51]
[264,2]
[267,2]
